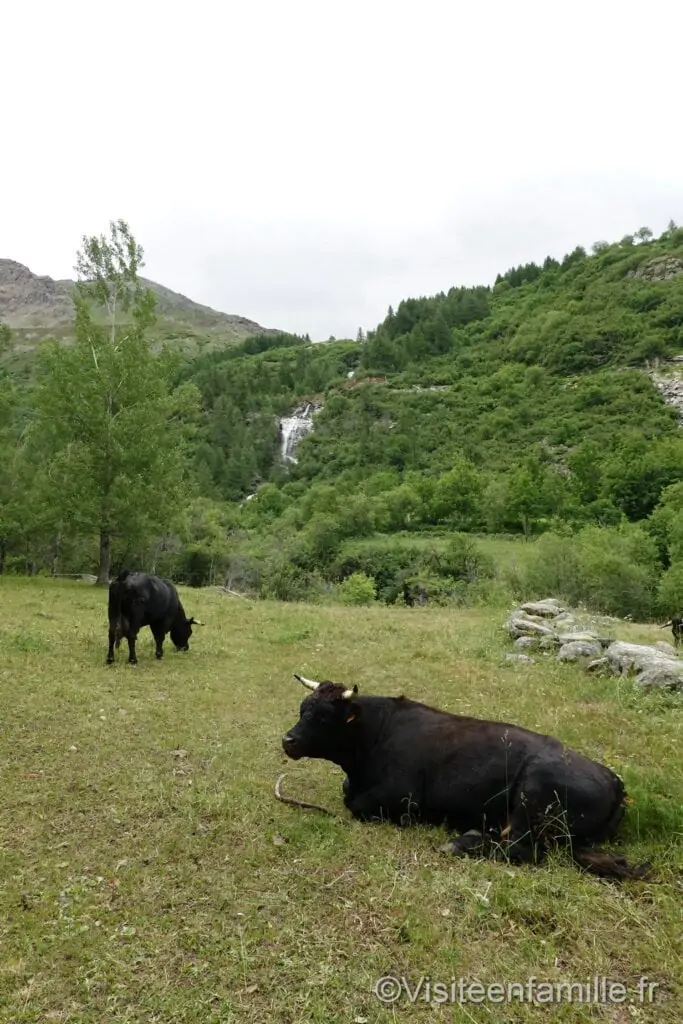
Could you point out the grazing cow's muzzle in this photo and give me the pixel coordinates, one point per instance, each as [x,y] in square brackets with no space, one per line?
[291,747]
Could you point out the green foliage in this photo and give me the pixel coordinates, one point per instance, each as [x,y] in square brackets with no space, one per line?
[14,515]
[462,559]
[388,562]
[614,571]
[639,471]
[243,397]
[666,522]
[405,571]
[671,590]
[282,580]
[109,429]
[356,589]
[456,497]
[521,409]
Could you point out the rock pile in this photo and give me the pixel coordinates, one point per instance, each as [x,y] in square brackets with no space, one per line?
[547,626]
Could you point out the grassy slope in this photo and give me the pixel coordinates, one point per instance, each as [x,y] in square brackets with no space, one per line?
[141,880]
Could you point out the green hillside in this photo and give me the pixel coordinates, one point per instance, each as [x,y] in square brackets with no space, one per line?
[543,366]
[526,409]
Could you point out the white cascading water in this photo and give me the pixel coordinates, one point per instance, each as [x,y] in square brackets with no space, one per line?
[294,427]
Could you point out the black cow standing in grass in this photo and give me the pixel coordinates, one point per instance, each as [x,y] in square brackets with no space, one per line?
[138,599]
[676,629]
[506,790]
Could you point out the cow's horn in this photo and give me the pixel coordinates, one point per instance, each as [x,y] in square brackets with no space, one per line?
[196,622]
[348,694]
[309,683]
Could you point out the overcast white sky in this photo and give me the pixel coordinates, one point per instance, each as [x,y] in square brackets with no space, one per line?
[306,163]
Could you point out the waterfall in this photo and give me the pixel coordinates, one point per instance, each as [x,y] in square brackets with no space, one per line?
[294,427]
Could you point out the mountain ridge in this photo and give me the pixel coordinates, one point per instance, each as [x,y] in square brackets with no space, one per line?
[37,306]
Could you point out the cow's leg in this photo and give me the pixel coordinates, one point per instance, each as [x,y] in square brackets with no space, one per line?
[516,843]
[520,846]
[159,635]
[132,656]
[379,804]
[470,843]
[536,817]
[112,640]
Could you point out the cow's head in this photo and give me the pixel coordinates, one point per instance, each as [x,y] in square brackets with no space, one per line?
[181,631]
[325,726]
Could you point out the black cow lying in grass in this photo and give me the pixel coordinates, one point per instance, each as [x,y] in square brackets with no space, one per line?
[506,790]
[676,629]
[138,599]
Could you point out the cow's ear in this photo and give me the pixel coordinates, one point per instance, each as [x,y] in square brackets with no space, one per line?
[352,713]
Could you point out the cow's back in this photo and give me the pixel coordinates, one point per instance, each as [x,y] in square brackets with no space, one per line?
[152,598]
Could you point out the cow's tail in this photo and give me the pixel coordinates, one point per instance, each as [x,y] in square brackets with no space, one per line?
[603,863]
[610,865]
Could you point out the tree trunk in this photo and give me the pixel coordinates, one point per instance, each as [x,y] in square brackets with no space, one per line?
[57,550]
[105,560]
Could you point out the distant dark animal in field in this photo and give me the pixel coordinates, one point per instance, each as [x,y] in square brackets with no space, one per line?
[676,629]
[139,599]
[506,790]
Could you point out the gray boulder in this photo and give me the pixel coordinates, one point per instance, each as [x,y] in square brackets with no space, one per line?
[651,666]
[548,608]
[525,642]
[577,650]
[520,624]
[586,637]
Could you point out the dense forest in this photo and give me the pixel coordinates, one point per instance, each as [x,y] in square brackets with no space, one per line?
[522,409]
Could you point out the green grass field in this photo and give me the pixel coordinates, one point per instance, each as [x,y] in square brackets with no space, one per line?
[149,874]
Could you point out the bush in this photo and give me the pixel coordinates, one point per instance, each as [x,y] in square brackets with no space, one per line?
[283,581]
[611,571]
[356,589]
[620,571]
[463,560]
[670,592]
[442,591]
[387,564]
[195,566]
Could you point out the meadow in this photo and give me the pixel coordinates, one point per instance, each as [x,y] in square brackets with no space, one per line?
[149,874]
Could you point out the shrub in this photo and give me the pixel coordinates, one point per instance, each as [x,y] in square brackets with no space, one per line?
[195,566]
[356,589]
[387,564]
[670,594]
[283,581]
[463,559]
[611,571]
